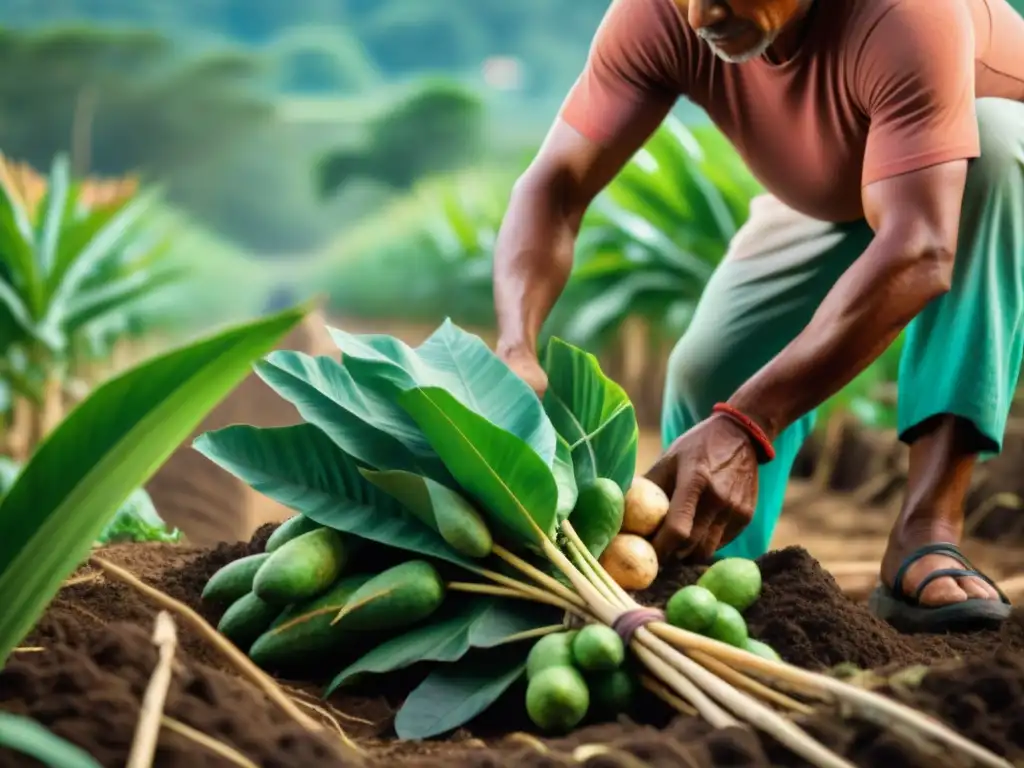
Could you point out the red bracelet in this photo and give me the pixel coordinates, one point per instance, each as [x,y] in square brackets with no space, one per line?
[762,444]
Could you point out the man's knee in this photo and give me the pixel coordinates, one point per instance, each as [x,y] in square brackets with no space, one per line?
[1001,132]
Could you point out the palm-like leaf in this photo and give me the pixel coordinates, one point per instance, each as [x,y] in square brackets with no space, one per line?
[75,264]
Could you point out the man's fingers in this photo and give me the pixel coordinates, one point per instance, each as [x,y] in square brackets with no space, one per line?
[738,521]
[713,538]
[677,527]
[663,474]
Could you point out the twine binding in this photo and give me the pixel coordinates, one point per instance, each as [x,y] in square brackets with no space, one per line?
[627,623]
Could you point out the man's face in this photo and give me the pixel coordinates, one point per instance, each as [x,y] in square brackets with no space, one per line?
[741,30]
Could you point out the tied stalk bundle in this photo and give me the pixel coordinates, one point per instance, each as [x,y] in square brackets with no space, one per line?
[447,517]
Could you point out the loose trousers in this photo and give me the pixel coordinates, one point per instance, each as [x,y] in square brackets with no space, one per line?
[961,355]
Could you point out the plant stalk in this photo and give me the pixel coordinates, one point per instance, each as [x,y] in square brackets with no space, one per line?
[662,691]
[784,731]
[584,567]
[601,608]
[754,687]
[531,595]
[684,687]
[538,575]
[879,709]
[622,595]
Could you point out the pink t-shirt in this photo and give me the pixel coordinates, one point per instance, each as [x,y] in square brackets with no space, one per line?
[878,88]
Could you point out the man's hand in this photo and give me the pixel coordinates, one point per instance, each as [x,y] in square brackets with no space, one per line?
[710,476]
[526,366]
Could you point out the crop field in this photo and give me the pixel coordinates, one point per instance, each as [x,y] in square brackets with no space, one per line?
[84,669]
[363,541]
[455,588]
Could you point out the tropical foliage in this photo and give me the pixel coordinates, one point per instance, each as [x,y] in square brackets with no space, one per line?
[79,269]
[645,252]
[399,440]
[438,502]
[65,495]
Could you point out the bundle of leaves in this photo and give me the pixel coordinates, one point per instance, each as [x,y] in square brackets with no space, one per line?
[438,524]
[442,453]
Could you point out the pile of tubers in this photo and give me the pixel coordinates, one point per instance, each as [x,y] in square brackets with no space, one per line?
[630,558]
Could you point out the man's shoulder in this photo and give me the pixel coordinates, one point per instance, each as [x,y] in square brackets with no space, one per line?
[873,28]
[864,18]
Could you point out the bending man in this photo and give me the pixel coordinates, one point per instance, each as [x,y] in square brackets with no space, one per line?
[889,135]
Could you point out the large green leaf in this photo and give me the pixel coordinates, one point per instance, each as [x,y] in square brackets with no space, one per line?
[301,468]
[28,737]
[55,207]
[453,694]
[360,421]
[17,252]
[438,506]
[106,448]
[474,622]
[510,482]
[461,364]
[70,276]
[592,413]
[88,305]
[565,479]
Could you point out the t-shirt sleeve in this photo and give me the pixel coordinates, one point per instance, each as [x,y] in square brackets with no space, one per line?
[632,75]
[915,78]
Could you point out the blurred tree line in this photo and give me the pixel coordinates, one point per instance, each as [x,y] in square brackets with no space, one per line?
[349,42]
[277,124]
[208,125]
[203,96]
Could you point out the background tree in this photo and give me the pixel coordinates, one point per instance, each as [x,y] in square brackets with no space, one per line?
[437,128]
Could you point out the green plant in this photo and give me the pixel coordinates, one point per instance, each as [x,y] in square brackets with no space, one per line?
[135,520]
[451,412]
[436,129]
[24,735]
[652,240]
[77,261]
[108,446]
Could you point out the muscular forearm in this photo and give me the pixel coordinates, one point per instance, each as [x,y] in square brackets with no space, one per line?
[532,261]
[861,316]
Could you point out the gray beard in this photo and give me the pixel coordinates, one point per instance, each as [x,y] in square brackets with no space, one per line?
[756,52]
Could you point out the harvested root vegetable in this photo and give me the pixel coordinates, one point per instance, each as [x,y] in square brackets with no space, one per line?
[646,507]
[631,561]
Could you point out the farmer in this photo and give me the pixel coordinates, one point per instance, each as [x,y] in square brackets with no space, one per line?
[890,137]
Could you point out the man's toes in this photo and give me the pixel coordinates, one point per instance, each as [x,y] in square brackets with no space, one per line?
[976,588]
[943,592]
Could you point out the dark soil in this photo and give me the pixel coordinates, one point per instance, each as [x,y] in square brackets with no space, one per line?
[84,670]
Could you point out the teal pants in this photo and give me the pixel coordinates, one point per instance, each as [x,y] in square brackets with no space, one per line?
[961,355]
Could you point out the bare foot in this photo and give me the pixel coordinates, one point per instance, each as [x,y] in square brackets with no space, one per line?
[941,591]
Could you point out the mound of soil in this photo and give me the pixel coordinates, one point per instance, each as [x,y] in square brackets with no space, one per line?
[87,686]
[804,615]
[87,681]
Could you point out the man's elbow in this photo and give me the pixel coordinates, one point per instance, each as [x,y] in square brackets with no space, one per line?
[926,260]
[555,188]
[935,268]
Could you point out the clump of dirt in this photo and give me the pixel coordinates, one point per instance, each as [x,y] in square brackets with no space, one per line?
[980,699]
[87,682]
[93,601]
[804,615]
[88,688]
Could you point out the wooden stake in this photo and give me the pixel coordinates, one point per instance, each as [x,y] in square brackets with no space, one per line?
[147,729]
[218,748]
[241,662]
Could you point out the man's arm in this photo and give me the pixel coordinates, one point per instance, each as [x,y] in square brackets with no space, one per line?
[909,263]
[918,88]
[624,93]
[534,251]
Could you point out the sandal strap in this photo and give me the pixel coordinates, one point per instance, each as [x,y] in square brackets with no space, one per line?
[949,550]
